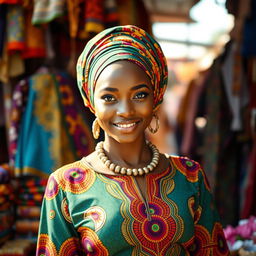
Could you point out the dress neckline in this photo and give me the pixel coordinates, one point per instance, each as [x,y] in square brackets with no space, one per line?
[150,174]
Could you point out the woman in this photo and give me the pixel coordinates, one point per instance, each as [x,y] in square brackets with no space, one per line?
[126,198]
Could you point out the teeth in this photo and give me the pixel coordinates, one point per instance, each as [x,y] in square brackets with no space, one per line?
[125,125]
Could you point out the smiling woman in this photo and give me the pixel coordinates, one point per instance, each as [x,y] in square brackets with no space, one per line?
[127,198]
[123,100]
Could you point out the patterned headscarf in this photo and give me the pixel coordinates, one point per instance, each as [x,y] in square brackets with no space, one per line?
[121,43]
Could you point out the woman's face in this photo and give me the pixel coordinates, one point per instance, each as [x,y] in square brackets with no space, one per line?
[123,101]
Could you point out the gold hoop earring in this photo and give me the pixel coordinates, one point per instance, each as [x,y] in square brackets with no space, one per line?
[95,129]
[154,130]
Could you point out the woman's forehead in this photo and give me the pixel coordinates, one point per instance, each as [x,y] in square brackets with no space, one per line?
[122,72]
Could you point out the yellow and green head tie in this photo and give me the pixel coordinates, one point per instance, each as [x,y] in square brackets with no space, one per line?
[121,43]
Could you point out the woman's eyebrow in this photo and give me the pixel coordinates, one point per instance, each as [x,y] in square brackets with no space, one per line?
[139,86]
[136,87]
[110,89]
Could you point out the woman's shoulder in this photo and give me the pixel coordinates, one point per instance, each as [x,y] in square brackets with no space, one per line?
[190,168]
[183,159]
[75,177]
[186,166]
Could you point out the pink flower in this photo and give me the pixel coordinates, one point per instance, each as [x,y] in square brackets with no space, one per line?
[245,231]
[230,234]
[252,223]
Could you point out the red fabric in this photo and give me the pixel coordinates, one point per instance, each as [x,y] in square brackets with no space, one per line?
[94,11]
[249,205]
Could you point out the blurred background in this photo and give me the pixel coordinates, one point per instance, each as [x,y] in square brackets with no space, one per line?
[208,113]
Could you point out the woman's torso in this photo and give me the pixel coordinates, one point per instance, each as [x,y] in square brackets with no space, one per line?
[112,217]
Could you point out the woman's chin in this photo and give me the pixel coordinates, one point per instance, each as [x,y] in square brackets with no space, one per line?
[127,138]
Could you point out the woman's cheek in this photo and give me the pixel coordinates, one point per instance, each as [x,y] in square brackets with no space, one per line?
[103,112]
[146,109]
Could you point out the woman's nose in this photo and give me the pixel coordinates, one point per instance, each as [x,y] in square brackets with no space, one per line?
[125,108]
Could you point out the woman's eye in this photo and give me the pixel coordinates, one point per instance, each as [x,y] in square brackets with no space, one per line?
[141,95]
[108,98]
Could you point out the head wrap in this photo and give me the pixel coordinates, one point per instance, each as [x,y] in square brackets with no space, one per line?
[121,43]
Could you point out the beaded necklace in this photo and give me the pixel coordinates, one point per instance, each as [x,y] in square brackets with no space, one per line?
[128,171]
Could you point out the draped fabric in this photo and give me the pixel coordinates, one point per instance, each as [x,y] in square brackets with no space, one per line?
[94,16]
[42,134]
[15,28]
[2,27]
[45,111]
[19,102]
[121,43]
[88,213]
[45,11]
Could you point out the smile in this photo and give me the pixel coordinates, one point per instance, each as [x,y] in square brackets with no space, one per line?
[125,125]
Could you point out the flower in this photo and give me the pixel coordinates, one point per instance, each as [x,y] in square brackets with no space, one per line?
[245,232]
[230,234]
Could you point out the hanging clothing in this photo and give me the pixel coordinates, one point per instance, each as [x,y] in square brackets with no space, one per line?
[192,100]
[15,28]
[111,14]
[94,16]
[46,111]
[43,141]
[10,2]
[73,15]
[19,102]
[233,73]
[3,11]
[249,207]
[221,148]
[249,37]
[101,214]
[35,41]
[77,118]
[45,11]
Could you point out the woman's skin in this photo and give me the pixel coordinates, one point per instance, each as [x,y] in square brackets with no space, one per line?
[123,101]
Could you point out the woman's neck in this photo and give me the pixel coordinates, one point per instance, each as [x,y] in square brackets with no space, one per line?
[133,155]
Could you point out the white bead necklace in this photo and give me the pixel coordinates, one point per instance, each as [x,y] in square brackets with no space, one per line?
[128,171]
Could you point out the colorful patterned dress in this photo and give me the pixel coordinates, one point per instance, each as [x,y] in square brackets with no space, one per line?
[88,213]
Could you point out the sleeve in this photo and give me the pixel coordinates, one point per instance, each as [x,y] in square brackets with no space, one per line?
[57,235]
[209,237]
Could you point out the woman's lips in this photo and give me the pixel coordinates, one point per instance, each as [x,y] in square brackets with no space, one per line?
[126,126]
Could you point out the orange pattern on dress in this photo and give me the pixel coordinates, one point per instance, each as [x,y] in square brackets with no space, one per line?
[195,213]
[190,169]
[203,244]
[154,234]
[187,167]
[97,215]
[91,243]
[65,210]
[75,178]
[217,235]
[71,247]
[45,246]
[52,188]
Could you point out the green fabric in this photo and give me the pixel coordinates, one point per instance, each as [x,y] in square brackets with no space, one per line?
[87,213]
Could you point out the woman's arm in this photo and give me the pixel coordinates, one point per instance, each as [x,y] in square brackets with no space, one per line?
[57,235]
[208,237]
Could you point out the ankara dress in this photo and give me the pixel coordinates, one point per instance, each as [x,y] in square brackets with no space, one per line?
[88,213]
